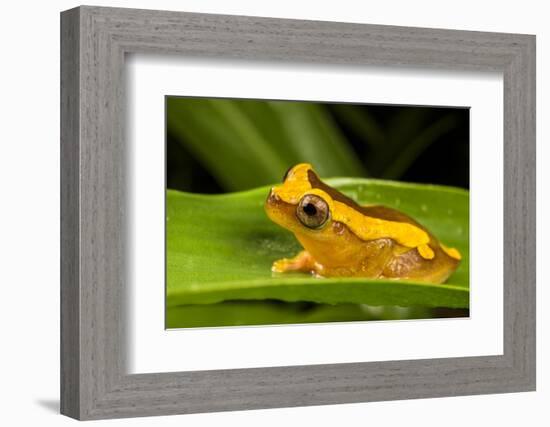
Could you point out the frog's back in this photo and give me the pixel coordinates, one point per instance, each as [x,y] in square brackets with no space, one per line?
[389,214]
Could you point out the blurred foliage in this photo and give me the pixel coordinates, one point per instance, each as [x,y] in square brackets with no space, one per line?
[220,145]
[221,247]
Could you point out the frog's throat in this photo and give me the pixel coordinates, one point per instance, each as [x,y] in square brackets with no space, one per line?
[297,184]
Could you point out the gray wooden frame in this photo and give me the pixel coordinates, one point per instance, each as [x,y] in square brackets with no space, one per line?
[94,382]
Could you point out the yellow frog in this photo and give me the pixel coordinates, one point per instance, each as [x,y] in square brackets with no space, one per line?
[344,239]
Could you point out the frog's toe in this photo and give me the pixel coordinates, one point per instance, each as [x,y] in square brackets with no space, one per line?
[301,262]
[280,266]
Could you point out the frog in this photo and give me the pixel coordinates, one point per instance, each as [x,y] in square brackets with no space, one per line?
[342,238]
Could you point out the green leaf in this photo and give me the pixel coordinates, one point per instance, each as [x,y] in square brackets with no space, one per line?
[238,313]
[314,138]
[225,140]
[246,143]
[221,248]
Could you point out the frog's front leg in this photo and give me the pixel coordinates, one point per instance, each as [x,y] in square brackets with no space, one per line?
[302,262]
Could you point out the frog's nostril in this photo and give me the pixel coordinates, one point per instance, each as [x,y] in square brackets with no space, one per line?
[272,197]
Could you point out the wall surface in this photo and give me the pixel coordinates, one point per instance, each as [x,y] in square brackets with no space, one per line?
[29,225]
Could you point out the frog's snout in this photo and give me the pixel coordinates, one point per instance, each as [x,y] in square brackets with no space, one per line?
[271,204]
[272,197]
[277,210]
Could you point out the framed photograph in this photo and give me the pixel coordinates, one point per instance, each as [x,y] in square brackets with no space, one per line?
[262,213]
[312,254]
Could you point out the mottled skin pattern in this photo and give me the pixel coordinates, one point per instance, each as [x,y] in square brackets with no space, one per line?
[334,250]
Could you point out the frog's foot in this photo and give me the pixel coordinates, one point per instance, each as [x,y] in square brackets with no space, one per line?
[303,262]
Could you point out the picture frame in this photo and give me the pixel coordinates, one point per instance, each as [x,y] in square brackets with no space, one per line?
[94,380]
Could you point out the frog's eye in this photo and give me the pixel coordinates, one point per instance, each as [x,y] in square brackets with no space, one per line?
[312,211]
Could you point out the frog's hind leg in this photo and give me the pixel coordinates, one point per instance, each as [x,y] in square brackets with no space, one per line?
[302,262]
